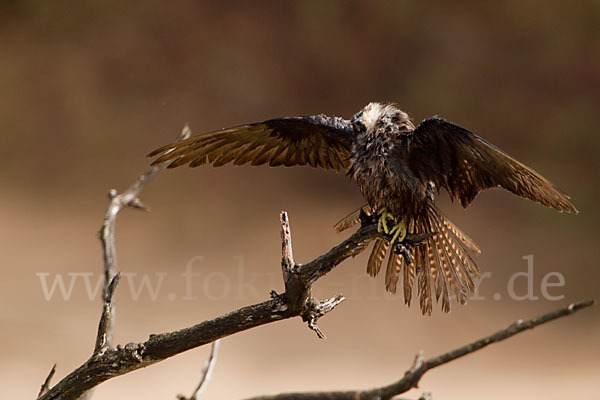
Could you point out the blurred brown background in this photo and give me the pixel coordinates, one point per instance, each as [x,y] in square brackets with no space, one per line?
[87,88]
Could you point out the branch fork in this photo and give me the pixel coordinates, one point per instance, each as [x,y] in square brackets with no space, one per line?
[298,291]
[316,309]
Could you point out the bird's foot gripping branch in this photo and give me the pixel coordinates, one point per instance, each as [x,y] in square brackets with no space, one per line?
[298,278]
[397,232]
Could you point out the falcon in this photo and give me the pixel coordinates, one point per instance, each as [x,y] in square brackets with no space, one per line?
[398,168]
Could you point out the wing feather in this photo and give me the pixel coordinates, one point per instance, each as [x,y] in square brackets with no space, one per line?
[319,140]
[464,164]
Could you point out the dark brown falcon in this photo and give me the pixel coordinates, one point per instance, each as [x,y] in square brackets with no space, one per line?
[398,168]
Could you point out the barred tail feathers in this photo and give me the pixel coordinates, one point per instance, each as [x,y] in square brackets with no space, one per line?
[448,266]
[442,266]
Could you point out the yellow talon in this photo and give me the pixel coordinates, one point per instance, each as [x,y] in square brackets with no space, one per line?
[399,232]
[382,224]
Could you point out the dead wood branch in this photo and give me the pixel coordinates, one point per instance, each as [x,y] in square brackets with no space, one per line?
[46,384]
[206,372]
[419,367]
[112,362]
[129,198]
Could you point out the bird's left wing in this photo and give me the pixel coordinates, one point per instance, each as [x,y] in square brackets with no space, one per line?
[464,164]
[319,141]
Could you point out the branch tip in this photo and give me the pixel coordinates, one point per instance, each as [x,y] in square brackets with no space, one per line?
[417,362]
[316,309]
[426,396]
[137,204]
[206,372]
[287,254]
[46,384]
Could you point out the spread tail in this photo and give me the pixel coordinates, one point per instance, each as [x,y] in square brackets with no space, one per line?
[442,265]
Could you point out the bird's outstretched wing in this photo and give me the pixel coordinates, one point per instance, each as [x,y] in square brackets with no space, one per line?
[319,141]
[464,164]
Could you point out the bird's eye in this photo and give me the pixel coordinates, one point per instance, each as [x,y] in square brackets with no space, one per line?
[358,125]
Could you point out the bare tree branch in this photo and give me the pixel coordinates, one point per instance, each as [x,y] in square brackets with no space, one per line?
[129,198]
[414,374]
[102,339]
[112,362]
[296,288]
[46,384]
[206,372]
[287,255]
[317,309]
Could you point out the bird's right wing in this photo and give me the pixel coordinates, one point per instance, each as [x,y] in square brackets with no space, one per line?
[464,164]
[319,141]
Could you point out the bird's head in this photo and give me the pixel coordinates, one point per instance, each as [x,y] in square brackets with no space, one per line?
[374,115]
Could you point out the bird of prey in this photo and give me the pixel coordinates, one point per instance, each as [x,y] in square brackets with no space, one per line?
[398,168]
